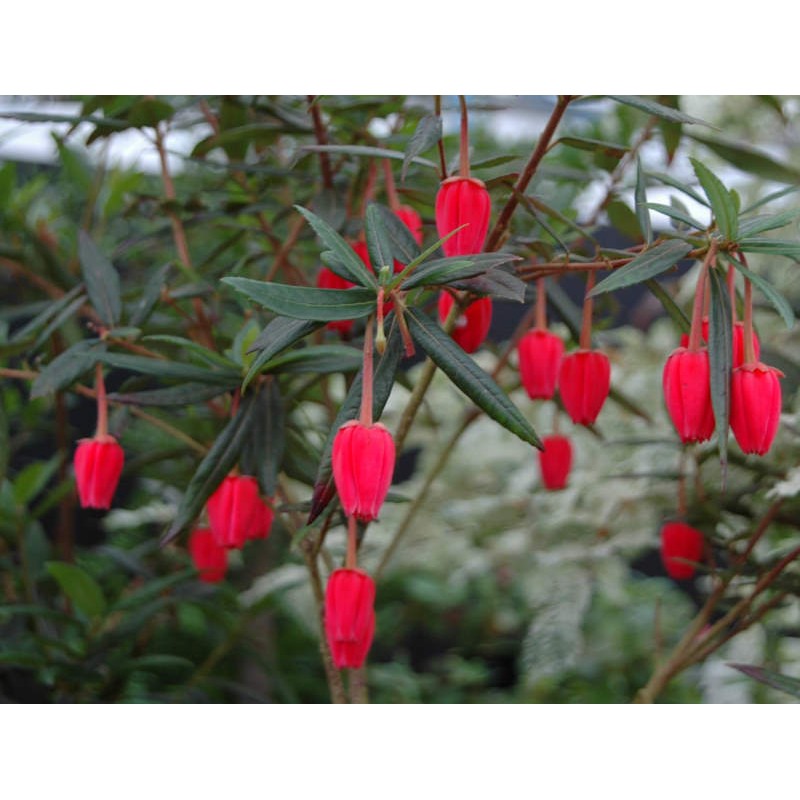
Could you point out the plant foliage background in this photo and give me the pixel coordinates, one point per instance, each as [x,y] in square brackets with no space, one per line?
[497,591]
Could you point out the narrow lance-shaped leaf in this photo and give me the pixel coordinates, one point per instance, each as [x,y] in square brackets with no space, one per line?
[263,452]
[722,202]
[776,247]
[172,370]
[443,270]
[426,135]
[779,302]
[647,265]
[678,213]
[181,395]
[302,302]
[403,245]
[657,109]
[102,280]
[81,588]
[749,160]
[775,680]
[469,377]
[640,195]
[720,356]
[216,464]
[378,242]
[67,367]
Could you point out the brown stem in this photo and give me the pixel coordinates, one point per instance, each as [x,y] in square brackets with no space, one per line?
[102,402]
[463,153]
[366,377]
[440,144]
[541,305]
[391,189]
[588,308]
[524,179]
[322,138]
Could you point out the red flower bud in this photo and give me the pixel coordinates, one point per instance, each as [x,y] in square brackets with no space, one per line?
[363,463]
[540,354]
[755,406]
[462,201]
[98,465]
[233,510]
[328,279]
[262,521]
[583,382]
[555,461]
[680,541]
[473,324]
[412,221]
[737,345]
[687,394]
[208,557]
[349,616]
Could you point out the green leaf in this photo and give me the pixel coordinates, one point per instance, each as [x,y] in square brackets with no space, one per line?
[681,187]
[4,441]
[779,302]
[640,197]
[677,213]
[722,203]
[263,453]
[658,110]
[102,280]
[766,222]
[624,220]
[184,394]
[749,160]
[343,260]
[281,333]
[402,244]
[150,295]
[67,367]
[769,198]
[469,377]
[648,264]
[680,319]
[720,356]
[378,242]
[775,680]
[236,140]
[204,354]
[51,311]
[609,149]
[216,464]
[302,302]
[33,478]
[443,270]
[323,358]
[495,283]
[172,370]
[670,131]
[776,247]
[80,587]
[427,133]
[366,151]
[148,112]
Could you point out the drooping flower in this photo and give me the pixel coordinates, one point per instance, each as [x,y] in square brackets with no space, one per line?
[363,463]
[328,279]
[755,406]
[233,510]
[208,556]
[461,201]
[687,394]
[540,354]
[737,344]
[473,324]
[680,541]
[98,466]
[584,381]
[349,616]
[555,461]
[262,521]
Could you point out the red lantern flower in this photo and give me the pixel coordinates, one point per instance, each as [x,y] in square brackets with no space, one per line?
[680,541]
[472,326]
[208,557]
[349,616]
[462,201]
[412,221]
[328,279]
[363,463]
[737,344]
[555,461]
[583,382]
[233,510]
[98,465]
[687,394]
[540,354]
[755,406]
[262,521]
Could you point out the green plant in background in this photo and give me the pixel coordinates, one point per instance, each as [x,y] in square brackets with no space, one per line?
[194,297]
